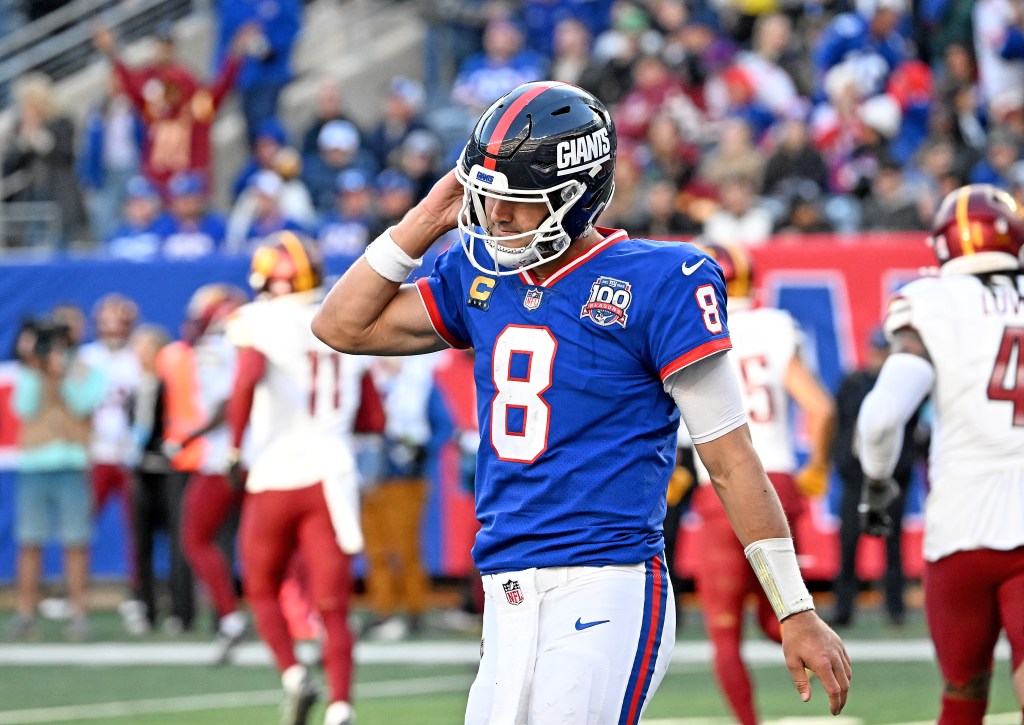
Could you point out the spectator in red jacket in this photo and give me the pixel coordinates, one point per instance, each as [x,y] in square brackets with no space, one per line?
[177,109]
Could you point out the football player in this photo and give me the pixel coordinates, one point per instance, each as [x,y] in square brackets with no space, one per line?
[209,499]
[299,399]
[587,345]
[766,358]
[112,446]
[959,336]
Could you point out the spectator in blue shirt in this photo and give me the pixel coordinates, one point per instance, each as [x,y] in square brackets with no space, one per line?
[137,236]
[267,68]
[346,230]
[110,155]
[402,110]
[270,138]
[193,230]
[338,149]
[869,40]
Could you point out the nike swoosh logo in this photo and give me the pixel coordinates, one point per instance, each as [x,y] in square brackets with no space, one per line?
[580,626]
[690,270]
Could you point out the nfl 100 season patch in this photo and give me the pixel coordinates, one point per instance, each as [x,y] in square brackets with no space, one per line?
[513,593]
[609,300]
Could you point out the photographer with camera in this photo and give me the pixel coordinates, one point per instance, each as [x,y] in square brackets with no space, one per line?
[54,399]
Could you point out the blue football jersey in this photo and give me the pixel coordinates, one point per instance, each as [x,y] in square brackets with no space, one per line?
[577,434]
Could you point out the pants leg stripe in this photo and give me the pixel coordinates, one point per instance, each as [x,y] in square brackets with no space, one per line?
[649,643]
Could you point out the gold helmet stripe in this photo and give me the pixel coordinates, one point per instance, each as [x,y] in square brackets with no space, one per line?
[304,279]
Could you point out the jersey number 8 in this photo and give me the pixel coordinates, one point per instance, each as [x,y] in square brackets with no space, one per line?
[522,366]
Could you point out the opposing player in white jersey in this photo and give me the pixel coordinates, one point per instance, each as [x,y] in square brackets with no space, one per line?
[959,337]
[766,358]
[209,500]
[300,399]
[587,345]
[112,447]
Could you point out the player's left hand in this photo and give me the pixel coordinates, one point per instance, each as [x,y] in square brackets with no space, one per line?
[812,479]
[809,645]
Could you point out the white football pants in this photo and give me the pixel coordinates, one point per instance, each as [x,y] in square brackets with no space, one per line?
[573,645]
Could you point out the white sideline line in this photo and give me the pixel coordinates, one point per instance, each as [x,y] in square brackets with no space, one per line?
[225,700]
[419,653]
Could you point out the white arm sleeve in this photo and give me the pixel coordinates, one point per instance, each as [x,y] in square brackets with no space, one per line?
[903,382]
[708,395]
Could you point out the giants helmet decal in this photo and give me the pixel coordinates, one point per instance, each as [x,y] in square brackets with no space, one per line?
[978,228]
[286,257]
[545,142]
[736,266]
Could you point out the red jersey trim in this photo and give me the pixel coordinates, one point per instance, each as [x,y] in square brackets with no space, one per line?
[430,305]
[611,236]
[494,143]
[698,353]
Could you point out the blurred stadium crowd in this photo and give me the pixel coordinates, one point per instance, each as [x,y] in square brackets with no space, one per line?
[741,120]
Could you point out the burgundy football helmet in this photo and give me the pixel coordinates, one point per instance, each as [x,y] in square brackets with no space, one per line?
[287,257]
[978,228]
[209,308]
[736,265]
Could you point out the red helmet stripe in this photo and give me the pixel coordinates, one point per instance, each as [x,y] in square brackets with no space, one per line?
[494,145]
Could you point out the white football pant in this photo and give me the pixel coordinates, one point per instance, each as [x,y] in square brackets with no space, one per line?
[573,645]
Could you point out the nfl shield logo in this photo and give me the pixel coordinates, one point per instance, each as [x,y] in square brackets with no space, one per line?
[532,300]
[513,593]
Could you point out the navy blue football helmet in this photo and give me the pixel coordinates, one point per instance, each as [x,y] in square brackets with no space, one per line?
[546,142]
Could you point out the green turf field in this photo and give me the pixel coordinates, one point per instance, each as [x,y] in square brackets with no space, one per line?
[395,693]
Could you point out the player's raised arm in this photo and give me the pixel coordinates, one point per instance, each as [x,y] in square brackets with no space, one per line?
[368,311]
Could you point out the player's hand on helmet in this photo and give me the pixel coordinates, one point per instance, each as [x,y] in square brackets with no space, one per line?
[811,647]
[875,497]
[812,479]
[442,203]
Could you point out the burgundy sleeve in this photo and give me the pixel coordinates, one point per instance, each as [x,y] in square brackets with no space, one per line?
[370,416]
[249,369]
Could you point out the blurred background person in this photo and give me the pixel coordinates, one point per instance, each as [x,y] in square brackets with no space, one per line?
[210,501]
[112,445]
[139,231]
[392,510]
[302,399]
[56,394]
[849,397]
[767,356]
[269,29]
[110,155]
[41,149]
[149,489]
[192,230]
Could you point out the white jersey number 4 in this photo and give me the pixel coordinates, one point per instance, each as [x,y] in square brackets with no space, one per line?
[522,366]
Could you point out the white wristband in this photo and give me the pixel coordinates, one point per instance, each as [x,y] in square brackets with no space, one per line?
[388,259]
[774,563]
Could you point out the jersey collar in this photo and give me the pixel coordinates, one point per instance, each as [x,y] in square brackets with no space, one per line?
[611,236]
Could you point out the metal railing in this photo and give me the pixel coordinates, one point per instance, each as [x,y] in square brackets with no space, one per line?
[60,43]
[29,225]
